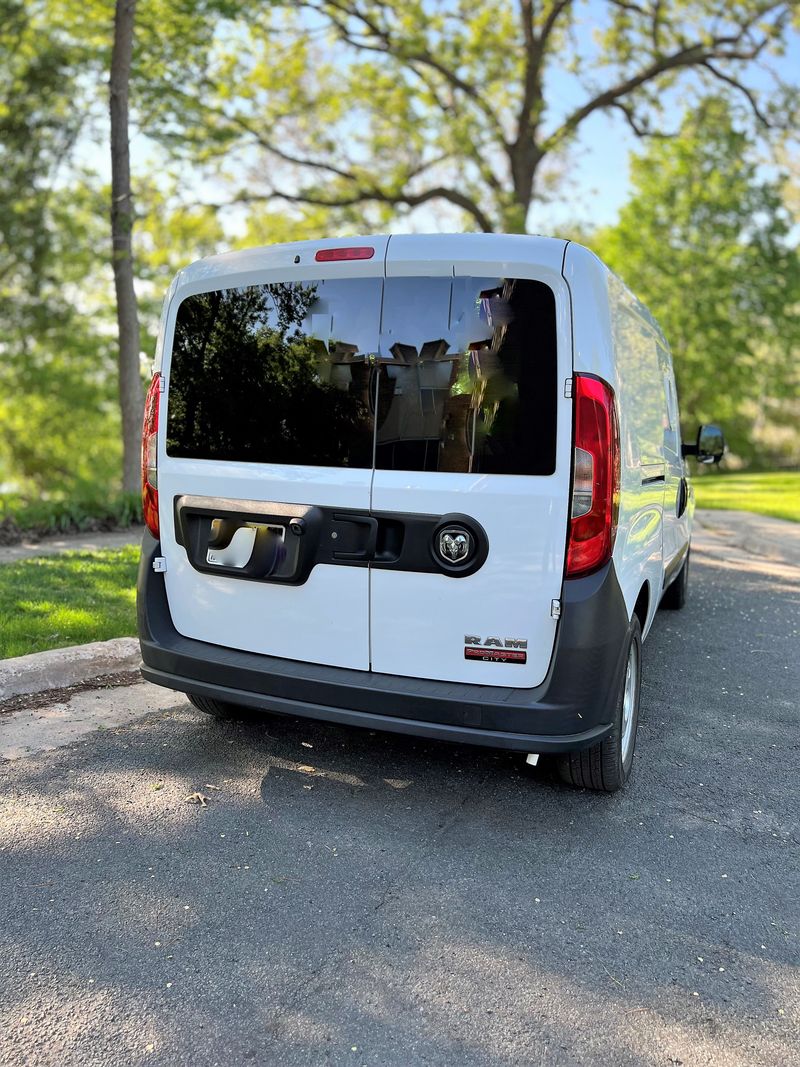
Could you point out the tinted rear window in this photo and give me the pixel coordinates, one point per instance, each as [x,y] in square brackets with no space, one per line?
[257,377]
[436,374]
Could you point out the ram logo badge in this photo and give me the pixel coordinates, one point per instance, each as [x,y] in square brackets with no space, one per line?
[455,544]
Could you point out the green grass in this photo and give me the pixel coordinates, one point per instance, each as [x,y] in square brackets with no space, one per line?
[775,493]
[54,601]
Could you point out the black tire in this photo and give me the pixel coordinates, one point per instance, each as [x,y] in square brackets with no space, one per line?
[675,596]
[215,707]
[603,767]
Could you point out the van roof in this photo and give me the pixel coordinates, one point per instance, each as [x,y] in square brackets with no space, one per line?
[459,246]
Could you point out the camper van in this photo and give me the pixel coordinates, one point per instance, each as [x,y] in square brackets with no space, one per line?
[429,484]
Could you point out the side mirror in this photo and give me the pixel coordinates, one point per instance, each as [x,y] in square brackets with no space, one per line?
[710,446]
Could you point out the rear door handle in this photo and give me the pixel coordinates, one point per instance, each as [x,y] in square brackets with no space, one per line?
[368,551]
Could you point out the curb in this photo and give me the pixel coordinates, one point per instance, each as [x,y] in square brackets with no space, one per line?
[59,668]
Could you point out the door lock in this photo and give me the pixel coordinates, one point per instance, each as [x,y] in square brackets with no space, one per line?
[371,525]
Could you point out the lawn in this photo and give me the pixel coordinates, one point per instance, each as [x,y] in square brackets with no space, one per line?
[53,601]
[776,493]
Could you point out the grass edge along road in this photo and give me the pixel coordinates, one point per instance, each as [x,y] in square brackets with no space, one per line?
[69,599]
[774,493]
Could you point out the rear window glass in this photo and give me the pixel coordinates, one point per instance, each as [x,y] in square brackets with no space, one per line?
[417,373]
[258,376]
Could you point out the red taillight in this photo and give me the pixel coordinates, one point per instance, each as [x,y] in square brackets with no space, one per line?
[595,477]
[330,255]
[149,456]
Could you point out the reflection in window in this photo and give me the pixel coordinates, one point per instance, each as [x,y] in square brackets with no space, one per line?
[275,373]
[467,376]
[438,374]
[641,384]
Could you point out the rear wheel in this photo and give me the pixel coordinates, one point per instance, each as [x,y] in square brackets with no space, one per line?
[607,765]
[216,708]
[675,596]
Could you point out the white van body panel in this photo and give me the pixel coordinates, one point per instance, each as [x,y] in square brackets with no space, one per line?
[333,604]
[419,621]
[473,254]
[616,339]
[287,262]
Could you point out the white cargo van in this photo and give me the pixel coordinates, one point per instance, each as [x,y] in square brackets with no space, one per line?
[426,484]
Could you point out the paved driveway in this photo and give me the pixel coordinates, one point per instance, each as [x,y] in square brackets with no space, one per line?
[355,898]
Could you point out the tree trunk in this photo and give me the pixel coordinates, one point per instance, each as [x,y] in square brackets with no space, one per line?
[524,158]
[131,398]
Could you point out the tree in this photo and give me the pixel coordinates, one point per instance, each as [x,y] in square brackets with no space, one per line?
[57,424]
[59,410]
[38,129]
[59,432]
[131,397]
[370,107]
[706,242]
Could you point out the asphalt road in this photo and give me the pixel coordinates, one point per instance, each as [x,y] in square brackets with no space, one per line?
[355,898]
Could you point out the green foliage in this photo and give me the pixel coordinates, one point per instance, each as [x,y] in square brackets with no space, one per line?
[38,127]
[85,509]
[59,424]
[59,419]
[57,601]
[370,108]
[706,243]
[776,493]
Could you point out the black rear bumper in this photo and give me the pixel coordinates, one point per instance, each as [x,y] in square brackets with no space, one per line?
[573,708]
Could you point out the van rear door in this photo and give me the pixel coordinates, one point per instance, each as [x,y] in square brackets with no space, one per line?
[473,427]
[265,468]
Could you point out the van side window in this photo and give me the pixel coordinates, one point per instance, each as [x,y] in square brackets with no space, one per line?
[672,421]
[643,397]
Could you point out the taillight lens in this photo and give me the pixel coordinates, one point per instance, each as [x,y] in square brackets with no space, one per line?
[595,477]
[149,456]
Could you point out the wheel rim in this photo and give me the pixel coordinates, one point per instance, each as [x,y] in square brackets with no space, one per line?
[629,700]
